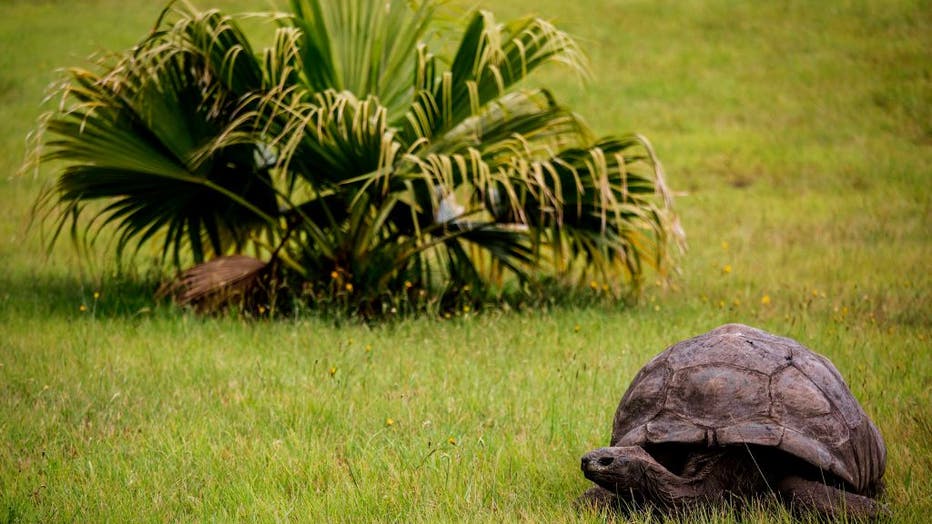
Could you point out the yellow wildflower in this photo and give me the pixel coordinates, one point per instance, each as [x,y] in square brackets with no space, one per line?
[389,422]
[765,300]
[726,269]
[452,441]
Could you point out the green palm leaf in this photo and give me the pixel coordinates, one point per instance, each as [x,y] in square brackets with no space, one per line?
[134,136]
[490,59]
[362,46]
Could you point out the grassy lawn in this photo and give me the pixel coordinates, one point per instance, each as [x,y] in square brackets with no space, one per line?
[799,137]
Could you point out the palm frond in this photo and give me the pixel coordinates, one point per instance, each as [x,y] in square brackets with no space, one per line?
[221,281]
[362,46]
[610,205]
[526,123]
[131,136]
[491,58]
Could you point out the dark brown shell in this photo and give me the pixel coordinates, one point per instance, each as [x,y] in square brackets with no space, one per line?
[740,385]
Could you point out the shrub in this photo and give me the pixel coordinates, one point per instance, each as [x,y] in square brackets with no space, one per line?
[350,161]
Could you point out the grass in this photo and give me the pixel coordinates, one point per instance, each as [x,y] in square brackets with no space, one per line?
[798,134]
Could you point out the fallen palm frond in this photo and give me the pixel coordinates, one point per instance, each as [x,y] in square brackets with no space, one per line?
[212,285]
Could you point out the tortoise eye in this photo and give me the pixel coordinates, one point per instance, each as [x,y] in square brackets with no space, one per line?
[606,461]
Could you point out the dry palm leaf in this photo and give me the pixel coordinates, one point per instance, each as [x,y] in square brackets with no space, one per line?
[215,284]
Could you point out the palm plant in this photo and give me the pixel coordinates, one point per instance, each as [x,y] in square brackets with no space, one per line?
[347,156]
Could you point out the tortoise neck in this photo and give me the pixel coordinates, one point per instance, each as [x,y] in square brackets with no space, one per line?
[667,487]
[695,482]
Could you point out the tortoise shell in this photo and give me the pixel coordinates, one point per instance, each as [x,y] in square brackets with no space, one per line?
[738,385]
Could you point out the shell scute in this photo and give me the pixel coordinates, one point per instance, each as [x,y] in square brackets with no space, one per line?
[671,428]
[795,396]
[740,348]
[818,454]
[708,394]
[823,374]
[762,432]
[644,399]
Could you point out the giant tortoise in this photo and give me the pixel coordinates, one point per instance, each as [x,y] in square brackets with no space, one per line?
[737,413]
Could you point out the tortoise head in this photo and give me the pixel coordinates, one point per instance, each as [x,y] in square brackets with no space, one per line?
[618,469]
[632,473]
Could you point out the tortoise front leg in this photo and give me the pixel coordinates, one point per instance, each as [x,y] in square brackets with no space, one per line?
[598,498]
[820,498]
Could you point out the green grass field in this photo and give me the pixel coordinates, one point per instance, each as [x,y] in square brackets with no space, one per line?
[799,138]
